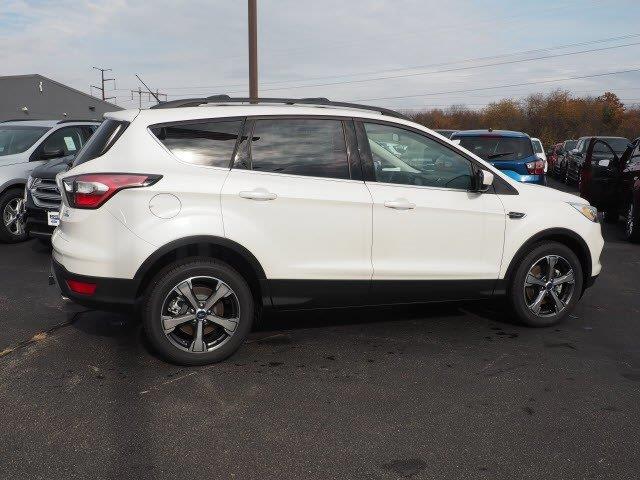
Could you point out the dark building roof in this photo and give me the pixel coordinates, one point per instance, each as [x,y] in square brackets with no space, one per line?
[37,97]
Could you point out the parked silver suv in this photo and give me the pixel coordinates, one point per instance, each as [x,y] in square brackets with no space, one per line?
[24,145]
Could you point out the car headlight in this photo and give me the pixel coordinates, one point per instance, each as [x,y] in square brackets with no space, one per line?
[589,212]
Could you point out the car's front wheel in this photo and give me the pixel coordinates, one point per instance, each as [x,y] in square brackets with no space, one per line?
[12,226]
[198,311]
[546,285]
[632,223]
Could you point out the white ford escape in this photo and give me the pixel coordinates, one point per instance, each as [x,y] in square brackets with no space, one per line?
[204,211]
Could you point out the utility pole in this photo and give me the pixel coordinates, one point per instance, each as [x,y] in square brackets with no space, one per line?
[103,81]
[253,51]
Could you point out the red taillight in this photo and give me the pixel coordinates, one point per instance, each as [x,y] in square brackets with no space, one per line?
[535,168]
[83,288]
[93,189]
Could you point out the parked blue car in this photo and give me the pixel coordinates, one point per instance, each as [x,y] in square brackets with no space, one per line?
[511,152]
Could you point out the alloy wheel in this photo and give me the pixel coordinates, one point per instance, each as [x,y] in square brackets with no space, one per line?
[200,314]
[12,217]
[549,286]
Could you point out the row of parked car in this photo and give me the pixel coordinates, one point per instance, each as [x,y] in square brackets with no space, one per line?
[606,170]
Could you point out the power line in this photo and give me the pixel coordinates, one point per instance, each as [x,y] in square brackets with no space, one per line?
[414,67]
[539,82]
[457,69]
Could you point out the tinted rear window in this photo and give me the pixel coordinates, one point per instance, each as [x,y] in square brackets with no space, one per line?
[18,138]
[496,149]
[311,147]
[208,143]
[101,141]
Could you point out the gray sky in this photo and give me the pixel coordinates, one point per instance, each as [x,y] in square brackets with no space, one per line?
[344,50]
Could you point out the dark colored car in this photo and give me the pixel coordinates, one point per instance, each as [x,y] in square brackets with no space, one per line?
[42,198]
[576,157]
[511,152]
[560,163]
[445,133]
[611,183]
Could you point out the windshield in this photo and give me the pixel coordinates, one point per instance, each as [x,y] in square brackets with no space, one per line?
[618,145]
[570,145]
[497,149]
[18,138]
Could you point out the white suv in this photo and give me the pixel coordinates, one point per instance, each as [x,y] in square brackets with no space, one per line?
[24,145]
[204,211]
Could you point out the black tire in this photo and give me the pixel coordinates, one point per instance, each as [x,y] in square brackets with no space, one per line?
[632,222]
[8,233]
[165,281]
[516,289]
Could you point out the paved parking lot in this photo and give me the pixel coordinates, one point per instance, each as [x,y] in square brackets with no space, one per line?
[453,391]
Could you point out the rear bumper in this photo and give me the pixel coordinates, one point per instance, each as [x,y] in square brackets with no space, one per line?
[113,294]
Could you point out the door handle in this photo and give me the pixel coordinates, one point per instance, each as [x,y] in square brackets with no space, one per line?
[400,205]
[258,194]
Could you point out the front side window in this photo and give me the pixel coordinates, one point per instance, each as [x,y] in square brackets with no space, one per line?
[65,141]
[405,157]
[17,139]
[208,143]
[309,147]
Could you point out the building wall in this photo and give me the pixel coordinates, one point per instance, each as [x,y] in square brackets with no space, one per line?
[47,99]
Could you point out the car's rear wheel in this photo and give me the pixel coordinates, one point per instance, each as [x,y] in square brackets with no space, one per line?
[632,223]
[546,285]
[12,226]
[198,311]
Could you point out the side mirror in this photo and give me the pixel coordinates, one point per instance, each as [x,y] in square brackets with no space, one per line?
[49,153]
[483,180]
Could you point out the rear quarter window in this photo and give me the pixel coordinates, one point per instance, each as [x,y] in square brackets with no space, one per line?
[207,143]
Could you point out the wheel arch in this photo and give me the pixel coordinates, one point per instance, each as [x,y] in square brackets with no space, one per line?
[564,236]
[13,183]
[205,246]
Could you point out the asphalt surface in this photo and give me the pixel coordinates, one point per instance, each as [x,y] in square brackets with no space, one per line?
[426,392]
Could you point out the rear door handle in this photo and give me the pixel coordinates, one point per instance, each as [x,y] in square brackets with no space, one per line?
[258,194]
[400,205]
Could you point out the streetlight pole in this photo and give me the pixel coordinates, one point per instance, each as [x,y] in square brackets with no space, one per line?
[253,51]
